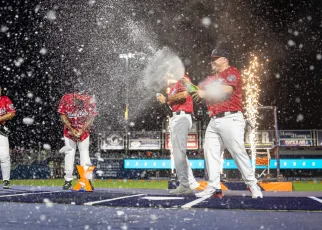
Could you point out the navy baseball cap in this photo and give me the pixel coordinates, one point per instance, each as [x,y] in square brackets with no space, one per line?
[80,87]
[219,53]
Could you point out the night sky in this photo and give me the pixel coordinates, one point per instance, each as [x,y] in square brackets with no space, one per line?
[47,45]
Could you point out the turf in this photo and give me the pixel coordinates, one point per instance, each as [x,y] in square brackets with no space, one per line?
[307,186]
[148,184]
[140,184]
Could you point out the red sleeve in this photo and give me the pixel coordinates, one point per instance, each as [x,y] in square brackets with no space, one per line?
[9,106]
[232,78]
[93,110]
[180,87]
[62,105]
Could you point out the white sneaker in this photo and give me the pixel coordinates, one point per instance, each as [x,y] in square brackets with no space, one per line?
[256,191]
[181,190]
[194,185]
[209,191]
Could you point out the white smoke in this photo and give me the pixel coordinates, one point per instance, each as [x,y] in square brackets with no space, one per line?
[164,64]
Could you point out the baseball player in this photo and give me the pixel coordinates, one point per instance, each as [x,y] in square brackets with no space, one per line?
[223,94]
[180,123]
[7,112]
[77,111]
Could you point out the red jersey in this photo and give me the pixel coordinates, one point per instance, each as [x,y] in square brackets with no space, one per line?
[6,106]
[76,115]
[231,77]
[186,105]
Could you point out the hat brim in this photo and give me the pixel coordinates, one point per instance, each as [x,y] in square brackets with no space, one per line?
[215,56]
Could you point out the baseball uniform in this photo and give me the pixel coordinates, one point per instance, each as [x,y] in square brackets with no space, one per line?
[180,123]
[226,128]
[77,117]
[6,106]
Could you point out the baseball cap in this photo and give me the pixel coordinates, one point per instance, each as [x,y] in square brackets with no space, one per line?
[80,87]
[220,53]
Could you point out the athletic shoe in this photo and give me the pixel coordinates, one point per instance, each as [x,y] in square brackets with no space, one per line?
[67,185]
[256,191]
[6,184]
[209,191]
[194,185]
[181,190]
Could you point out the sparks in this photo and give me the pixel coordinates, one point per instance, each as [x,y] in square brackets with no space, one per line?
[251,84]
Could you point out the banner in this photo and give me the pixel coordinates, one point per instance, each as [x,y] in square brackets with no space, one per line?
[159,163]
[145,140]
[319,137]
[109,168]
[295,138]
[265,139]
[227,164]
[112,140]
[191,144]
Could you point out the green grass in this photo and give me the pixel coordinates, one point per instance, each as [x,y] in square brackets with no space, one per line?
[148,184]
[310,186]
[144,184]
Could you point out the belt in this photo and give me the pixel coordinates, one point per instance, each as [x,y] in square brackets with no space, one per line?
[223,114]
[179,112]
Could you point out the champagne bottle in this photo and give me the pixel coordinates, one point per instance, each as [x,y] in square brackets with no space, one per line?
[191,88]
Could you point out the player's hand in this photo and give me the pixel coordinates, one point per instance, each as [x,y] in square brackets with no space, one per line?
[75,133]
[185,81]
[198,95]
[80,132]
[161,98]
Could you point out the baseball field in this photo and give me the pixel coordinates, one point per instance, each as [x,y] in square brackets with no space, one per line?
[149,184]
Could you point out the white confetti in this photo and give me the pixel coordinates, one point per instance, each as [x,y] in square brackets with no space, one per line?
[28,120]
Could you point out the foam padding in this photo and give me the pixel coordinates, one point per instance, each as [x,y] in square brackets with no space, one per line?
[277,186]
[265,186]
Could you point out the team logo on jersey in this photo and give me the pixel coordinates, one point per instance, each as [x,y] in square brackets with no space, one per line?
[79,113]
[3,111]
[173,92]
[231,78]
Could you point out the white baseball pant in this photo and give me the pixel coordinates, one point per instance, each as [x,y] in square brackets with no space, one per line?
[179,128]
[227,132]
[85,161]
[5,157]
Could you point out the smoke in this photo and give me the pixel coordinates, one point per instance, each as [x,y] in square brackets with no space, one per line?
[164,64]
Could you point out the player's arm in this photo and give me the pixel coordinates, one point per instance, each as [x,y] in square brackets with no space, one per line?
[220,93]
[8,116]
[62,112]
[178,97]
[66,122]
